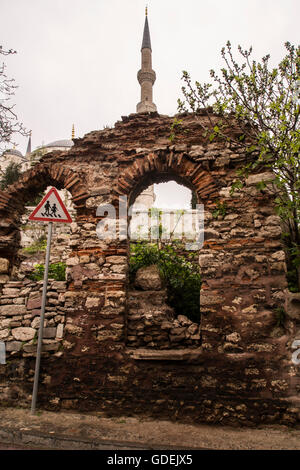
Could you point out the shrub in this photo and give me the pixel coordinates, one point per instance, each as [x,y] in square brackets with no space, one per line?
[180,274]
[11,175]
[56,271]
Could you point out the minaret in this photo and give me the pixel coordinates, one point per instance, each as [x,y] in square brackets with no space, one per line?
[28,151]
[146,76]
[73,132]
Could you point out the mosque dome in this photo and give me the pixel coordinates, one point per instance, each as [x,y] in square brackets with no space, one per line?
[14,152]
[66,143]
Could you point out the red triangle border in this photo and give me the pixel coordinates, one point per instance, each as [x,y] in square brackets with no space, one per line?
[50,219]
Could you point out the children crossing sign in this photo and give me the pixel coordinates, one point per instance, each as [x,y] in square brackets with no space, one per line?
[51,209]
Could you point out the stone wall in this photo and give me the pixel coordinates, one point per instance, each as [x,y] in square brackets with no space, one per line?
[241,370]
[151,323]
[20,316]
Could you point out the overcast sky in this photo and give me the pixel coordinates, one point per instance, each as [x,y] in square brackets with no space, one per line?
[77,60]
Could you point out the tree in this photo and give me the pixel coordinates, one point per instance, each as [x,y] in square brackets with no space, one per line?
[9,124]
[11,175]
[262,104]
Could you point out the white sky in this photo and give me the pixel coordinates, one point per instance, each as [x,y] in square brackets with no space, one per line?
[77,60]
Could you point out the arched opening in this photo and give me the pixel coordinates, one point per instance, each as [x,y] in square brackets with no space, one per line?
[164,274]
[26,191]
[23,257]
[33,241]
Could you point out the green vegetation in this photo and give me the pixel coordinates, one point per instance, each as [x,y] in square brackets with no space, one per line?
[36,199]
[181,275]
[220,210]
[280,316]
[292,279]
[56,271]
[262,104]
[38,246]
[292,253]
[10,175]
[175,127]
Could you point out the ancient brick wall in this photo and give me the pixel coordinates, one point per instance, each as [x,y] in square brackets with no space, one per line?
[242,370]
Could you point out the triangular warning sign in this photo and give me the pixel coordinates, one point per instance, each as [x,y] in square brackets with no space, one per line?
[51,209]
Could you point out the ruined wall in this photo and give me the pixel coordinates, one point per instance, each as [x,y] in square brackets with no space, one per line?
[242,370]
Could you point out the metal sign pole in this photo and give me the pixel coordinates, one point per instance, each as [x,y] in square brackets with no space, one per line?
[40,338]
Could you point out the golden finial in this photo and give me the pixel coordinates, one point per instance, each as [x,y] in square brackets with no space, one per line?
[73,132]
[147,10]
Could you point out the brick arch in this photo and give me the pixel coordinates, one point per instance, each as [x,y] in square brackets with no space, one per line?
[37,179]
[33,181]
[163,166]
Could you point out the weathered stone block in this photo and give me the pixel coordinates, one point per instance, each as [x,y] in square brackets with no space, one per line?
[4,265]
[196,151]
[13,346]
[60,331]
[232,347]
[177,331]
[273,220]
[53,346]
[34,303]
[49,332]
[278,255]
[233,337]
[73,329]
[84,259]
[206,259]
[148,278]
[36,322]
[183,320]
[166,325]
[193,328]
[12,309]
[116,259]
[3,278]
[210,299]
[250,310]
[72,261]
[11,292]
[19,300]
[254,179]
[177,338]
[59,285]
[119,268]
[92,302]
[4,333]
[23,333]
